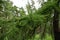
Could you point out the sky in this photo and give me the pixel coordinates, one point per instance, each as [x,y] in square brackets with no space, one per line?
[22,3]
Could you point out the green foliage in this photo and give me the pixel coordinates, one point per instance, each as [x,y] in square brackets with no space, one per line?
[16,25]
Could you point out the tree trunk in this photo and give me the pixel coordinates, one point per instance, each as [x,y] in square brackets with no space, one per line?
[56,24]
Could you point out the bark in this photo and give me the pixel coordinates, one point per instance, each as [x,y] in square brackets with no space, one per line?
[56,24]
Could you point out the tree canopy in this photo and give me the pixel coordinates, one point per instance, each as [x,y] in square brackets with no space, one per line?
[16,25]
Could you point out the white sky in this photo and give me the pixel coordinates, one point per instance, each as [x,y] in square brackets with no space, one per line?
[22,3]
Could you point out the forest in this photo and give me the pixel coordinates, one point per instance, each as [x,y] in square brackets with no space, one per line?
[38,24]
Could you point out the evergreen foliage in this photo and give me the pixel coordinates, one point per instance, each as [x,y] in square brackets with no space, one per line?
[16,25]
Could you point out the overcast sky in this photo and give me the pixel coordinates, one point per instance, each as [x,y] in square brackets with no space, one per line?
[22,3]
